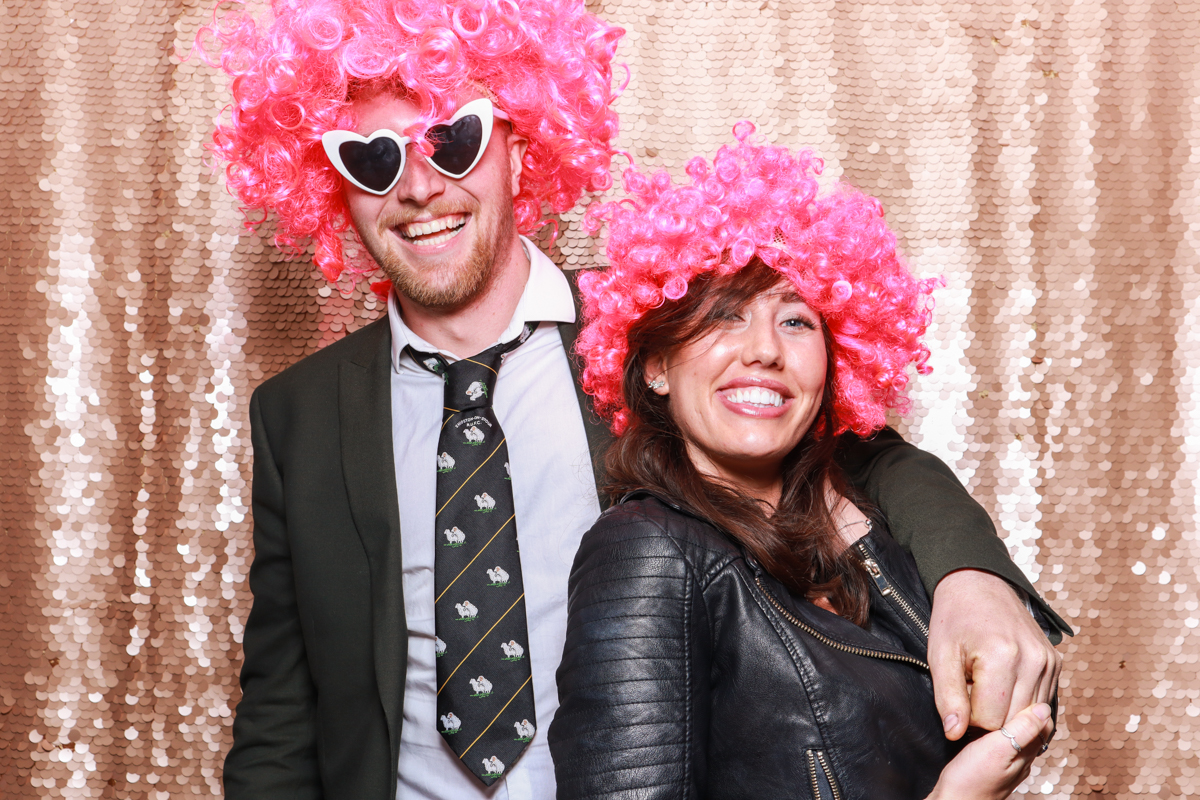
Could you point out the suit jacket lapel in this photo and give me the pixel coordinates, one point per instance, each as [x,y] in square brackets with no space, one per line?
[365,415]
[368,464]
[598,434]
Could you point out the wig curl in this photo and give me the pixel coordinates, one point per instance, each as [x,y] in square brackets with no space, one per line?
[759,201]
[546,63]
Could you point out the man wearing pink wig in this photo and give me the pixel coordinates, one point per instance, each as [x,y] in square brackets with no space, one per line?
[400,644]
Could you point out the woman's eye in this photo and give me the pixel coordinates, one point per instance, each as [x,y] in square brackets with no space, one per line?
[799,322]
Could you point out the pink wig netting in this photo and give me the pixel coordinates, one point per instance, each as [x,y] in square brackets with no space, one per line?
[759,200]
[546,63]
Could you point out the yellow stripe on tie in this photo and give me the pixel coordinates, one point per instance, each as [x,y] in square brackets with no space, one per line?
[501,711]
[473,361]
[472,561]
[468,480]
[489,630]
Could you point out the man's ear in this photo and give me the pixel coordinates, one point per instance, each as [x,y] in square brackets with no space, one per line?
[517,145]
[655,374]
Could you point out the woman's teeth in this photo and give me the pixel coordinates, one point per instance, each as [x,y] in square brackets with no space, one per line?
[431,233]
[756,396]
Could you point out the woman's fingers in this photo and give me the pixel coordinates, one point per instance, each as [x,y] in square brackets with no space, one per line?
[1029,728]
[991,767]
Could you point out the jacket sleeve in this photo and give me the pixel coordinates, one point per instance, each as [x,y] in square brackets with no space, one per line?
[633,682]
[932,515]
[274,753]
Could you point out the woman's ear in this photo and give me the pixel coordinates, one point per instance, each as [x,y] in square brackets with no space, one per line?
[655,375]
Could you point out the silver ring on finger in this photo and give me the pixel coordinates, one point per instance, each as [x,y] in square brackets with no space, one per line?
[1011,739]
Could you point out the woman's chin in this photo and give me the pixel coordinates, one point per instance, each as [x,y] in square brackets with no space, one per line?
[754,461]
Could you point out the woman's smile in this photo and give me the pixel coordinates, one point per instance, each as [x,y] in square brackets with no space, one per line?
[745,393]
[755,397]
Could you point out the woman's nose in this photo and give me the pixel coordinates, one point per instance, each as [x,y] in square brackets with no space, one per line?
[761,342]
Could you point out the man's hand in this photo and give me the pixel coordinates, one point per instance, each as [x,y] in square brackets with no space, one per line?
[981,634]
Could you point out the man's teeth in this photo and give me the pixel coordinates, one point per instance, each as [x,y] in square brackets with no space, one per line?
[432,240]
[756,396]
[449,224]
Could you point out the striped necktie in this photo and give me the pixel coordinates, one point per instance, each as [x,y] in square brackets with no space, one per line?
[485,690]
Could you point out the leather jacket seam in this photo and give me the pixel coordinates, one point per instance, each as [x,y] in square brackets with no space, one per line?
[819,716]
[628,768]
[703,578]
[689,723]
[692,582]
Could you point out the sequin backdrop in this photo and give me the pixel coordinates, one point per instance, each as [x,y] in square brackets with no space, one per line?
[1042,156]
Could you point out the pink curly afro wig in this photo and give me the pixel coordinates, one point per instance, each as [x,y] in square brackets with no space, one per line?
[546,63]
[757,200]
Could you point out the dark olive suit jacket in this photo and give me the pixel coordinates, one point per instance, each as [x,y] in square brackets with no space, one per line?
[325,643]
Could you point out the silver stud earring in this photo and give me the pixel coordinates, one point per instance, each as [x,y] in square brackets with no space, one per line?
[657,384]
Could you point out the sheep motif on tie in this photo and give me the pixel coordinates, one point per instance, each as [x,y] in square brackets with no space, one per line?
[525,730]
[488,634]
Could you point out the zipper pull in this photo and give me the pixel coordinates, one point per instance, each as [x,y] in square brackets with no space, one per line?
[874,571]
[752,562]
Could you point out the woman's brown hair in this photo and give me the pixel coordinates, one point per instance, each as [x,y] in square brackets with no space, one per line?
[797,543]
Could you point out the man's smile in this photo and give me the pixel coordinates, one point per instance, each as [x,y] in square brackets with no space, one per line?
[432,232]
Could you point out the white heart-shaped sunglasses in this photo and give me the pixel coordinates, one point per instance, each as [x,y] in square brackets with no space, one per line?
[375,163]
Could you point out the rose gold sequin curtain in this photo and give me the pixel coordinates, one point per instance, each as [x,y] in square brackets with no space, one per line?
[1044,157]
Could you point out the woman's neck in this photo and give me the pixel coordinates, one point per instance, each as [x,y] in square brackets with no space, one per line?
[762,481]
[851,523]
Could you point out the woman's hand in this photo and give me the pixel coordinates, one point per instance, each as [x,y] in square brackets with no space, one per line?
[990,768]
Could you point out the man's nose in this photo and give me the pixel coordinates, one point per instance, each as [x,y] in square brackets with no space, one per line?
[420,182]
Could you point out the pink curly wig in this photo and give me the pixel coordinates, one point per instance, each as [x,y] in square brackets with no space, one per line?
[756,200]
[546,63]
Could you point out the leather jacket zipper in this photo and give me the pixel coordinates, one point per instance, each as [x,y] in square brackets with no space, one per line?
[816,757]
[886,589]
[845,648]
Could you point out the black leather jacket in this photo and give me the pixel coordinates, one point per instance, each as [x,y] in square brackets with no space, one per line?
[689,672]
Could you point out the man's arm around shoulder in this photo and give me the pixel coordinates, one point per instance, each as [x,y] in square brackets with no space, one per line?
[988,657]
[932,515]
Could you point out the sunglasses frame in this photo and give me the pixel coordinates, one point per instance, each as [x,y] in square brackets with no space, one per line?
[481,107]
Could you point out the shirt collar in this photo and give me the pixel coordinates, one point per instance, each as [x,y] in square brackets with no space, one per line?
[546,298]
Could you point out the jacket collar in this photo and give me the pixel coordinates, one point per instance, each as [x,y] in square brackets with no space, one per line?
[365,418]
[599,437]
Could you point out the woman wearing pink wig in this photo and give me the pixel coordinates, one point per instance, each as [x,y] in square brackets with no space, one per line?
[741,624]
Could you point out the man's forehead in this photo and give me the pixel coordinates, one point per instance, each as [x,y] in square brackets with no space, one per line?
[396,108]
[386,109]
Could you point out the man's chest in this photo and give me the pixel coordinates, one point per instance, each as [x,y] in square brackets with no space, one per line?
[552,480]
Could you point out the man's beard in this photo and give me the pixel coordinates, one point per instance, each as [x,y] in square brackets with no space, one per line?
[470,277]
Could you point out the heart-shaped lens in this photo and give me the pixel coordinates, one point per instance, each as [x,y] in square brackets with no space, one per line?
[456,146]
[374,164]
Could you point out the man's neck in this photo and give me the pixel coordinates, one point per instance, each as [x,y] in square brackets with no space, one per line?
[474,326]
